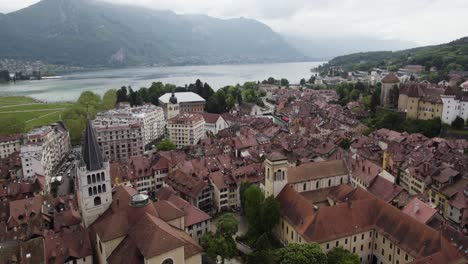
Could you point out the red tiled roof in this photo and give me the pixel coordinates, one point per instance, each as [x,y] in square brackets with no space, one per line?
[419,210]
[390,78]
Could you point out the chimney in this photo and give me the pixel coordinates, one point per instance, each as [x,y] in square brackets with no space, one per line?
[416,208]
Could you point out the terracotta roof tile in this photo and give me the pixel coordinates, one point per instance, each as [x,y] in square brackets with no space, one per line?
[316,170]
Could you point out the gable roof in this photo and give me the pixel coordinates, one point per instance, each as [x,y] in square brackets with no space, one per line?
[317,170]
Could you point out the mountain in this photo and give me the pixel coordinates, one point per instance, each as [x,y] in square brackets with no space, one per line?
[445,57]
[326,48]
[92,33]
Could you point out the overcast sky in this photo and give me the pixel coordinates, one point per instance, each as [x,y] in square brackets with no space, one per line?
[420,21]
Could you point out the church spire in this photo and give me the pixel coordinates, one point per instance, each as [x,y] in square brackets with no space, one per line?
[90,149]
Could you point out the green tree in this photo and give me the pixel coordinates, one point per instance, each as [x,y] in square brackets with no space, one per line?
[253,199]
[11,125]
[284,82]
[309,253]
[243,187]
[109,99]
[269,215]
[345,143]
[375,101]
[215,245]
[303,82]
[341,256]
[75,121]
[122,95]
[227,225]
[166,145]
[458,123]
[394,95]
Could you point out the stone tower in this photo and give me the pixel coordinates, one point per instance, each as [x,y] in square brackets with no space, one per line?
[172,107]
[388,82]
[276,174]
[93,180]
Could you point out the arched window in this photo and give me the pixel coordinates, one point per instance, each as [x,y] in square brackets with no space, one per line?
[97,201]
[317,185]
[89,179]
[341,180]
[168,261]
[94,190]
[94,178]
[98,178]
[268,173]
[103,188]
[99,189]
[102,176]
[90,191]
[304,187]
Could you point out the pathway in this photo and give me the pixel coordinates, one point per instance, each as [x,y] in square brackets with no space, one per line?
[41,116]
[27,111]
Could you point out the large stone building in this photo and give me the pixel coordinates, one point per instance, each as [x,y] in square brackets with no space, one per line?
[185,102]
[93,179]
[186,129]
[44,148]
[119,139]
[388,83]
[354,219]
[455,103]
[419,101]
[9,144]
[136,230]
[150,117]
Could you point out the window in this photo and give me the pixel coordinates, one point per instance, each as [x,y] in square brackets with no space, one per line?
[94,178]
[90,191]
[89,179]
[168,261]
[102,176]
[346,241]
[329,182]
[398,251]
[97,201]
[304,186]
[317,185]
[99,189]
[328,246]
[362,247]
[383,252]
[389,257]
[337,243]
[354,239]
[94,190]
[354,249]
[362,237]
[406,257]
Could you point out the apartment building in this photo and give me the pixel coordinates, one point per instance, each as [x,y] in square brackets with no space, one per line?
[150,117]
[186,129]
[43,150]
[9,144]
[119,138]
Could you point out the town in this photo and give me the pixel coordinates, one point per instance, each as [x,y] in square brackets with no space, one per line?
[292,171]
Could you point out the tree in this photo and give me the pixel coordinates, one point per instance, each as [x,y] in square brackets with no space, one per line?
[284,82]
[394,95]
[345,143]
[269,215]
[341,256]
[89,101]
[303,82]
[11,125]
[166,145]
[75,121]
[375,101]
[215,245]
[227,225]
[243,187]
[271,80]
[458,123]
[122,95]
[109,99]
[309,253]
[253,199]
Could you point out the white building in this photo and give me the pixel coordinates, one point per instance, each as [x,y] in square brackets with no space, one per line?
[214,123]
[455,103]
[150,117]
[9,144]
[186,129]
[43,150]
[93,179]
[187,102]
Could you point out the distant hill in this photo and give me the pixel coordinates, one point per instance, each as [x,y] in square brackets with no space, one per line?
[91,33]
[325,48]
[445,57]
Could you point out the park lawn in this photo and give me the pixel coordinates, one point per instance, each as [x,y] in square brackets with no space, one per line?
[456,131]
[14,100]
[53,117]
[35,106]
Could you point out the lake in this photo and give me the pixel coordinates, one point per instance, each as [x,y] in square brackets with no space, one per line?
[70,86]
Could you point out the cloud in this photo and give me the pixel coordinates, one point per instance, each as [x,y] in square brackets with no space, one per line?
[420,21]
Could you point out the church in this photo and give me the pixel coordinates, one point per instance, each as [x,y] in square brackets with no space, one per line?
[126,226]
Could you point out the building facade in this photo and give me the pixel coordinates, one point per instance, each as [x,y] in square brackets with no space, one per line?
[119,139]
[419,101]
[43,150]
[455,103]
[186,129]
[388,83]
[9,144]
[185,102]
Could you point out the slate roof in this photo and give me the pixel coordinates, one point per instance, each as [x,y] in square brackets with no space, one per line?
[90,149]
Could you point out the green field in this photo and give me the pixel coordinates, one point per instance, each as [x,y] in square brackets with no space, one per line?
[30,111]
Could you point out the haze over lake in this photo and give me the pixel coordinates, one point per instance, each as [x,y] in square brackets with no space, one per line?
[70,86]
